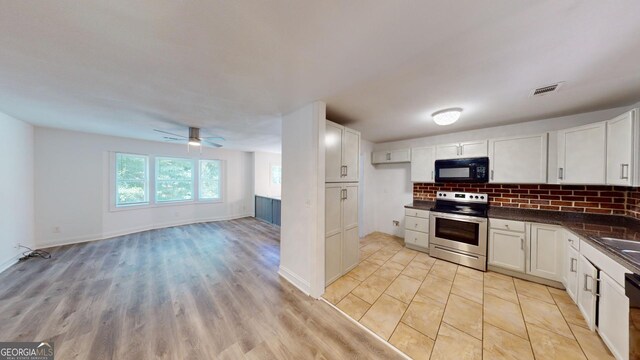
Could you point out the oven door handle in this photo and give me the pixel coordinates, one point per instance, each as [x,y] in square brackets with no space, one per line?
[466,218]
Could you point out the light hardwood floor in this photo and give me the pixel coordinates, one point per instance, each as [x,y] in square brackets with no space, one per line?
[199,291]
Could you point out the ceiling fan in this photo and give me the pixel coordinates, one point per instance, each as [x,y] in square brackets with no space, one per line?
[193,138]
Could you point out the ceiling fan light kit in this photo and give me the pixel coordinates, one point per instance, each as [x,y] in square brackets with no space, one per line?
[193,139]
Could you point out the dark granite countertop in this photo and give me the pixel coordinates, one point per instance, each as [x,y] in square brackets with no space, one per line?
[590,227]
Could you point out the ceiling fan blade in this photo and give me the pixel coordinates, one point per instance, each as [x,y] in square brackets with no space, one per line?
[172,138]
[212,143]
[166,132]
[214,137]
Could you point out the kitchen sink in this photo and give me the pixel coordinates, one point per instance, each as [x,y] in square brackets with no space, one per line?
[630,246]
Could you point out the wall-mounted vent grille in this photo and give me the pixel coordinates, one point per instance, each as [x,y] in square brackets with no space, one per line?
[547,89]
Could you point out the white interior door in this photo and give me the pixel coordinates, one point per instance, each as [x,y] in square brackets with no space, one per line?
[620,150]
[587,275]
[333,152]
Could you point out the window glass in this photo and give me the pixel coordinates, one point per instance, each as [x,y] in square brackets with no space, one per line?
[132,180]
[174,179]
[276,174]
[210,185]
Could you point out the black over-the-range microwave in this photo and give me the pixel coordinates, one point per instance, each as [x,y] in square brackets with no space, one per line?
[463,170]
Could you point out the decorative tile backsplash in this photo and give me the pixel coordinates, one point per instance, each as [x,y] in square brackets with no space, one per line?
[615,200]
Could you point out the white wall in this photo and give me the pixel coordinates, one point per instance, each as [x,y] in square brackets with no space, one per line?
[262,171]
[302,229]
[393,187]
[72,187]
[16,189]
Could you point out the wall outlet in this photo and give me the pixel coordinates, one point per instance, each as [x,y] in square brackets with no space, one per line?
[396,223]
[56,230]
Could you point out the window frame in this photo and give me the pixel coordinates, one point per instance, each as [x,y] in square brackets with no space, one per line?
[220,181]
[147,180]
[194,187]
[151,183]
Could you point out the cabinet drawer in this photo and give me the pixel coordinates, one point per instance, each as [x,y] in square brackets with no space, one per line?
[573,240]
[510,225]
[416,238]
[416,224]
[417,213]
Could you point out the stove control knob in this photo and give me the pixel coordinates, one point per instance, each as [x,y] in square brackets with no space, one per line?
[481,197]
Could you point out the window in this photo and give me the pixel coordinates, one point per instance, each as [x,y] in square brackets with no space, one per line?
[276,174]
[132,179]
[174,179]
[210,184]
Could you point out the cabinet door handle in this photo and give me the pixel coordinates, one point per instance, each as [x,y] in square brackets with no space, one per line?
[594,281]
[622,172]
[491,174]
[431,174]
[389,156]
[571,268]
[560,173]
[521,243]
[346,170]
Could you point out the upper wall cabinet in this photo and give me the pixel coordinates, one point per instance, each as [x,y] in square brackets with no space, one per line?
[582,154]
[422,164]
[342,151]
[518,160]
[623,137]
[391,156]
[467,149]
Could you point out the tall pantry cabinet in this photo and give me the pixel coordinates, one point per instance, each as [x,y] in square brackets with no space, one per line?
[342,242]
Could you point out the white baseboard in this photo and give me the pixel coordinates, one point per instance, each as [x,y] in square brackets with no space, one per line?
[112,234]
[10,262]
[295,280]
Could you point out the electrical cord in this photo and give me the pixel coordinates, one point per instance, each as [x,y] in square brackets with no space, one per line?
[34,253]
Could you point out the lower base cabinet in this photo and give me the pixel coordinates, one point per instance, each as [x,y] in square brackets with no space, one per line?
[613,316]
[416,229]
[342,242]
[571,281]
[507,249]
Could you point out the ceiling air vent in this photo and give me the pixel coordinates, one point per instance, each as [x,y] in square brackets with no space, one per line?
[544,90]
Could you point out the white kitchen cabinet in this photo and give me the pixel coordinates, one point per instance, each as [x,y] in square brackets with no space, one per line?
[587,287]
[623,137]
[467,149]
[423,164]
[342,244]
[391,156]
[473,149]
[507,249]
[518,160]
[571,268]
[342,152]
[582,154]
[546,251]
[613,316]
[416,233]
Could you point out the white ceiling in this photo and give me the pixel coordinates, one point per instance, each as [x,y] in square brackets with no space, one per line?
[232,67]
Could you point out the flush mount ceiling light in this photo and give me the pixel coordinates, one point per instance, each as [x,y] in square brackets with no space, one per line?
[446,116]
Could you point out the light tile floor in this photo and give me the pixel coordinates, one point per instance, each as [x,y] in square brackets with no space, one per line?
[433,309]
